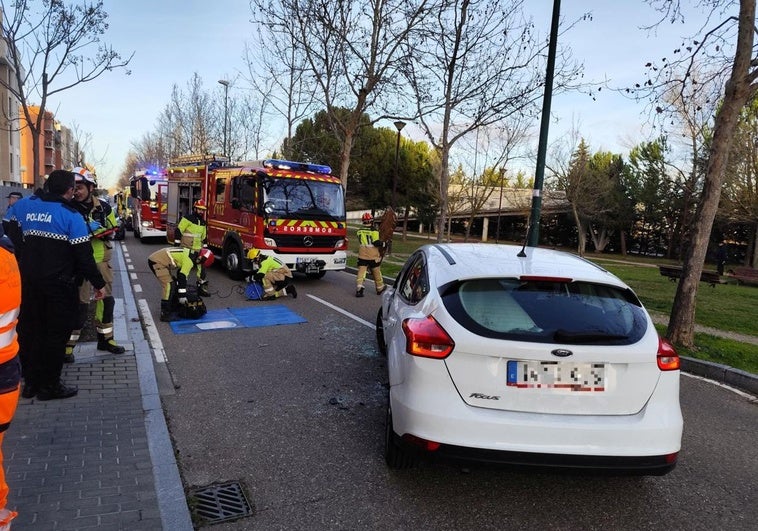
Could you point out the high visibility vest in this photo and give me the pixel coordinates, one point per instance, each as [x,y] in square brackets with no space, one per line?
[10,304]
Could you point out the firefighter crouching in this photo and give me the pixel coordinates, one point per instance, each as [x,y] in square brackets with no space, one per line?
[369,256]
[101,221]
[192,233]
[274,274]
[171,267]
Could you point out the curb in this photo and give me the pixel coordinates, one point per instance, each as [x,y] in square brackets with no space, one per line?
[742,380]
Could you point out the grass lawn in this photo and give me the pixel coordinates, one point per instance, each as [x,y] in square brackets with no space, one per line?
[728,307]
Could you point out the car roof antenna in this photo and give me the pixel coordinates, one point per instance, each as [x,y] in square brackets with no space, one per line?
[521,253]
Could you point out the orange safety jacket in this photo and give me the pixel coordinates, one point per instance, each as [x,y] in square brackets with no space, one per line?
[10,369]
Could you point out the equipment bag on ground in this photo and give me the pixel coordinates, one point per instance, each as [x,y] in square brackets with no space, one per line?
[193,309]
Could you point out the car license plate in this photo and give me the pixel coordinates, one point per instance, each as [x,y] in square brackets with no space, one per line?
[307,265]
[556,375]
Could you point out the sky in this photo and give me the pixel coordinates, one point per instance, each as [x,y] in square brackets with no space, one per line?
[173,39]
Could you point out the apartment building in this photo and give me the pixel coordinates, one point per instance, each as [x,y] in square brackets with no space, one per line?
[11,168]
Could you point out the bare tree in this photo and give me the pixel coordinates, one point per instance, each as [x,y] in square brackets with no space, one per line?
[277,73]
[52,47]
[726,49]
[352,51]
[191,122]
[478,64]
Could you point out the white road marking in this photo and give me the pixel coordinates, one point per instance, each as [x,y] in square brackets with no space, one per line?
[133,276]
[714,382]
[152,331]
[343,312]
[137,288]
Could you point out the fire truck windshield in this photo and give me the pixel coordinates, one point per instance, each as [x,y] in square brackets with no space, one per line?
[305,199]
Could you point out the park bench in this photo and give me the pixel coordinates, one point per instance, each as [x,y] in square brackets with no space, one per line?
[674,273]
[744,275]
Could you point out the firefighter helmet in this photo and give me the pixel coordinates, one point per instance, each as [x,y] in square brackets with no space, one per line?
[200,205]
[83,175]
[205,257]
[253,253]
[367,218]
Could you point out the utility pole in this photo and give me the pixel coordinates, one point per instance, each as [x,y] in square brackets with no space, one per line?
[533,229]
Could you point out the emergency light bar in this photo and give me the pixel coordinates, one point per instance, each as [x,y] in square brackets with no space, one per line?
[197,159]
[297,166]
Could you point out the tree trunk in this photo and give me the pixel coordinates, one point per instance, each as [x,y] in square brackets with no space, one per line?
[622,242]
[444,181]
[737,91]
[347,147]
[580,231]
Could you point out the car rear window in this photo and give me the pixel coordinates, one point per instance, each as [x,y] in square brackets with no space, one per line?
[547,311]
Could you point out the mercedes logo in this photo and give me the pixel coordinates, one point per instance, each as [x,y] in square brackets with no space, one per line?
[308,241]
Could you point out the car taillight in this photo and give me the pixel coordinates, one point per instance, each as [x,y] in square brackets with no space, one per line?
[426,338]
[668,359]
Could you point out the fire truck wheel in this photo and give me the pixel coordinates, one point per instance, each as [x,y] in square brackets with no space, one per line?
[233,261]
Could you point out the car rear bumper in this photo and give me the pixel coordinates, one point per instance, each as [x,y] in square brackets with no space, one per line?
[435,412]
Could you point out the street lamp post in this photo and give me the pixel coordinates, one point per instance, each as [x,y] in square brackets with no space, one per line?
[399,125]
[226,112]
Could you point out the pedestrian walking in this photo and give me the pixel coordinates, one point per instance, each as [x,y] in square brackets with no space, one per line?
[171,266]
[274,274]
[56,251]
[192,233]
[369,255]
[102,223]
[721,257]
[10,369]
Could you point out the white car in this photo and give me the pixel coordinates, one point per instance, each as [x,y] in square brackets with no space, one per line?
[498,354]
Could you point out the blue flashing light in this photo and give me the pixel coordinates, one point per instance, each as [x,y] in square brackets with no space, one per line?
[297,166]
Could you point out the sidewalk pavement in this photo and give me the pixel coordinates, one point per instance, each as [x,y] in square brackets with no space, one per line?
[102,459]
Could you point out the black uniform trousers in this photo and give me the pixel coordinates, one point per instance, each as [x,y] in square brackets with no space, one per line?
[47,317]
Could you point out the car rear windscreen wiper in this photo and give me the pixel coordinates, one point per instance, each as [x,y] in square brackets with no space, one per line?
[585,336]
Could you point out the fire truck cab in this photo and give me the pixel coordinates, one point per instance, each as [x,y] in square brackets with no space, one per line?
[147,202]
[293,210]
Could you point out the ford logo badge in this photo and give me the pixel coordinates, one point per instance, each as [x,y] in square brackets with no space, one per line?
[562,353]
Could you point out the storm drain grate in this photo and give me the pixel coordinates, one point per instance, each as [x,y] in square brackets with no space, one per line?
[219,503]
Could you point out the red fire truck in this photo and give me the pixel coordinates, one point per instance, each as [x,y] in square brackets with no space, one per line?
[148,190]
[294,210]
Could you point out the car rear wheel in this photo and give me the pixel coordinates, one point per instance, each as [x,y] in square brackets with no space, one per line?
[380,333]
[395,455]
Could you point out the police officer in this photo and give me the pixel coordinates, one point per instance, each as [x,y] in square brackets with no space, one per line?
[171,267]
[192,233]
[369,255]
[56,250]
[274,274]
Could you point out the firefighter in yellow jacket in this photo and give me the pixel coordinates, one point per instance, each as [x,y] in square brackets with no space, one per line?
[274,274]
[192,233]
[171,267]
[10,368]
[102,224]
[369,256]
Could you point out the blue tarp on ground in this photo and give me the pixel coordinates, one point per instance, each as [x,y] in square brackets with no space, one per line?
[264,315]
